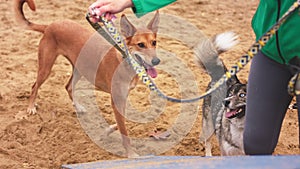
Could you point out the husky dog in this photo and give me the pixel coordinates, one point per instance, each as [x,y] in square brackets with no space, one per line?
[223,111]
[230,121]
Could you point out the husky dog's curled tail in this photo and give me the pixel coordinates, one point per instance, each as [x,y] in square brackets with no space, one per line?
[208,51]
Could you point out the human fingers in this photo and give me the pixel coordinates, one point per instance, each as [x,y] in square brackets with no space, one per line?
[93,16]
[94,8]
[94,19]
[110,16]
[97,4]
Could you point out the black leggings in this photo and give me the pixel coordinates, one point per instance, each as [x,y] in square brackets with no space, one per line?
[267,103]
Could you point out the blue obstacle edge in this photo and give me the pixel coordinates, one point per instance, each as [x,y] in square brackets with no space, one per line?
[190,162]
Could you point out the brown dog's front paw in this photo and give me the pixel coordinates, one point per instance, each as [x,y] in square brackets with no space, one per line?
[111,129]
[31,109]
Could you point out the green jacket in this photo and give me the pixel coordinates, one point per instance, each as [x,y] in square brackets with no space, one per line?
[285,45]
[142,7]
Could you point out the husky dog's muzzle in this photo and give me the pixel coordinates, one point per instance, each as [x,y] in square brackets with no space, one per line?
[237,111]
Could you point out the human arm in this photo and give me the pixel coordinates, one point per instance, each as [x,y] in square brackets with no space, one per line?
[142,7]
[111,7]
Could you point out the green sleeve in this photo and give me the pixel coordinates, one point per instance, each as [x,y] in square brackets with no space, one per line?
[285,45]
[142,7]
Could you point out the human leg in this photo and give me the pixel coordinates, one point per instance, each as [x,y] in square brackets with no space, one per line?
[267,102]
[298,107]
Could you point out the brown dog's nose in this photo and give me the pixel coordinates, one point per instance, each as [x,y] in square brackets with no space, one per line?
[155,61]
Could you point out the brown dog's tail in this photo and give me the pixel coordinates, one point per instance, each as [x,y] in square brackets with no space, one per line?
[21,19]
[208,50]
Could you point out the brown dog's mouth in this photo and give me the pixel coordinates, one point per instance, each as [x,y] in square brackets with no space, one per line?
[151,71]
[239,112]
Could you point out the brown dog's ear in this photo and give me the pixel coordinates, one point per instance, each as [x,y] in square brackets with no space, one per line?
[153,24]
[127,29]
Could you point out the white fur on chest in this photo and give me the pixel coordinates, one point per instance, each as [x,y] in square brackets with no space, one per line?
[231,136]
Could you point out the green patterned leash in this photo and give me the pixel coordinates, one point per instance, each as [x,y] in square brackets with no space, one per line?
[111,34]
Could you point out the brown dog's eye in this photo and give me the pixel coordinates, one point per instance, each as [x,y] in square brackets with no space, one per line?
[154,43]
[141,45]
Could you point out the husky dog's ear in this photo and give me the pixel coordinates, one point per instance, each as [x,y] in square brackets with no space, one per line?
[233,80]
[127,29]
[153,24]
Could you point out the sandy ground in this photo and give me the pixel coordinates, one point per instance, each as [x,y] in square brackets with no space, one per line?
[55,135]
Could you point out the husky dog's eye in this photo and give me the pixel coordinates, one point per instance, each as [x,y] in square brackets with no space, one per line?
[141,45]
[229,94]
[242,95]
[154,43]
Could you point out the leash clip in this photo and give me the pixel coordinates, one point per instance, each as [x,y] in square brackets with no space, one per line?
[294,85]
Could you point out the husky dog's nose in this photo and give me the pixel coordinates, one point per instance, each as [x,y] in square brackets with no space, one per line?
[155,61]
[226,103]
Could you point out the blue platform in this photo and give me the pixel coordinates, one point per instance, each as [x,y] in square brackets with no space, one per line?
[189,162]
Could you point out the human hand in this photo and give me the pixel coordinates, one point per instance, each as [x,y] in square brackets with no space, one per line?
[107,8]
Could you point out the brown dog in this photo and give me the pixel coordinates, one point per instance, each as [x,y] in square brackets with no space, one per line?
[68,39]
